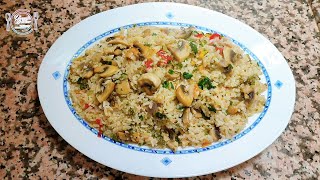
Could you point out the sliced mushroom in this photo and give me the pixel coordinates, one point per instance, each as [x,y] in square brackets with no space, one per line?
[180,50]
[196,113]
[184,33]
[232,110]
[119,41]
[248,92]
[149,82]
[109,71]
[88,74]
[132,53]
[185,95]
[154,108]
[187,117]
[251,95]
[117,52]
[146,51]
[227,69]
[99,69]
[109,87]
[173,76]
[123,87]
[230,55]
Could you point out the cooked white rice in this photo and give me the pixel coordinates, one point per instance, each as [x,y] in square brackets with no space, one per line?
[125,104]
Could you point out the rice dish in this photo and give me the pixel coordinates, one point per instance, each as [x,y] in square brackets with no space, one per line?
[165,87]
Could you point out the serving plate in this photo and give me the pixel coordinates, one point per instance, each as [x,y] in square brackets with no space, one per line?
[261,130]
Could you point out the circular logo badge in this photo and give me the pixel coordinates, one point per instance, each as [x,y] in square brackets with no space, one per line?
[21,22]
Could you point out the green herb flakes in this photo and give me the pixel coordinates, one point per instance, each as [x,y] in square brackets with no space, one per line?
[205,82]
[211,108]
[160,115]
[83,84]
[187,75]
[165,84]
[194,47]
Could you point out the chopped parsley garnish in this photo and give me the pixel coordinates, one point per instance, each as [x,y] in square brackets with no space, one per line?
[187,75]
[82,83]
[165,84]
[154,34]
[160,115]
[194,47]
[141,117]
[168,85]
[205,83]
[171,85]
[211,108]
[171,71]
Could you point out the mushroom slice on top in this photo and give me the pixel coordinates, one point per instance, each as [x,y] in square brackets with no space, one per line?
[123,87]
[133,54]
[185,95]
[106,92]
[146,51]
[248,92]
[180,50]
[88,73]
[196,113]
[99,69]
[119,41]
[149,82]
[230,55]
[109,71]
[184,33]
[173,75]
[187,116]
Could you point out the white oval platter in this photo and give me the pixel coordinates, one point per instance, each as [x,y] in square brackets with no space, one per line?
[261,130]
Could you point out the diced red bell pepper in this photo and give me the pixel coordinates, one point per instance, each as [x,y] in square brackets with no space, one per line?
[215,35]
[164,56]
[220,50]
[148,63]
[86,106]
[98,121]
[199,35]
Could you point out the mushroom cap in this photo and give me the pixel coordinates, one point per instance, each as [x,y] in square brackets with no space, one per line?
[119,41]
[187,116]
[149,82]
[146,51]
[109,71]
[184,95]
[180,50]
[106,92]
[88,74]
[123,87]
